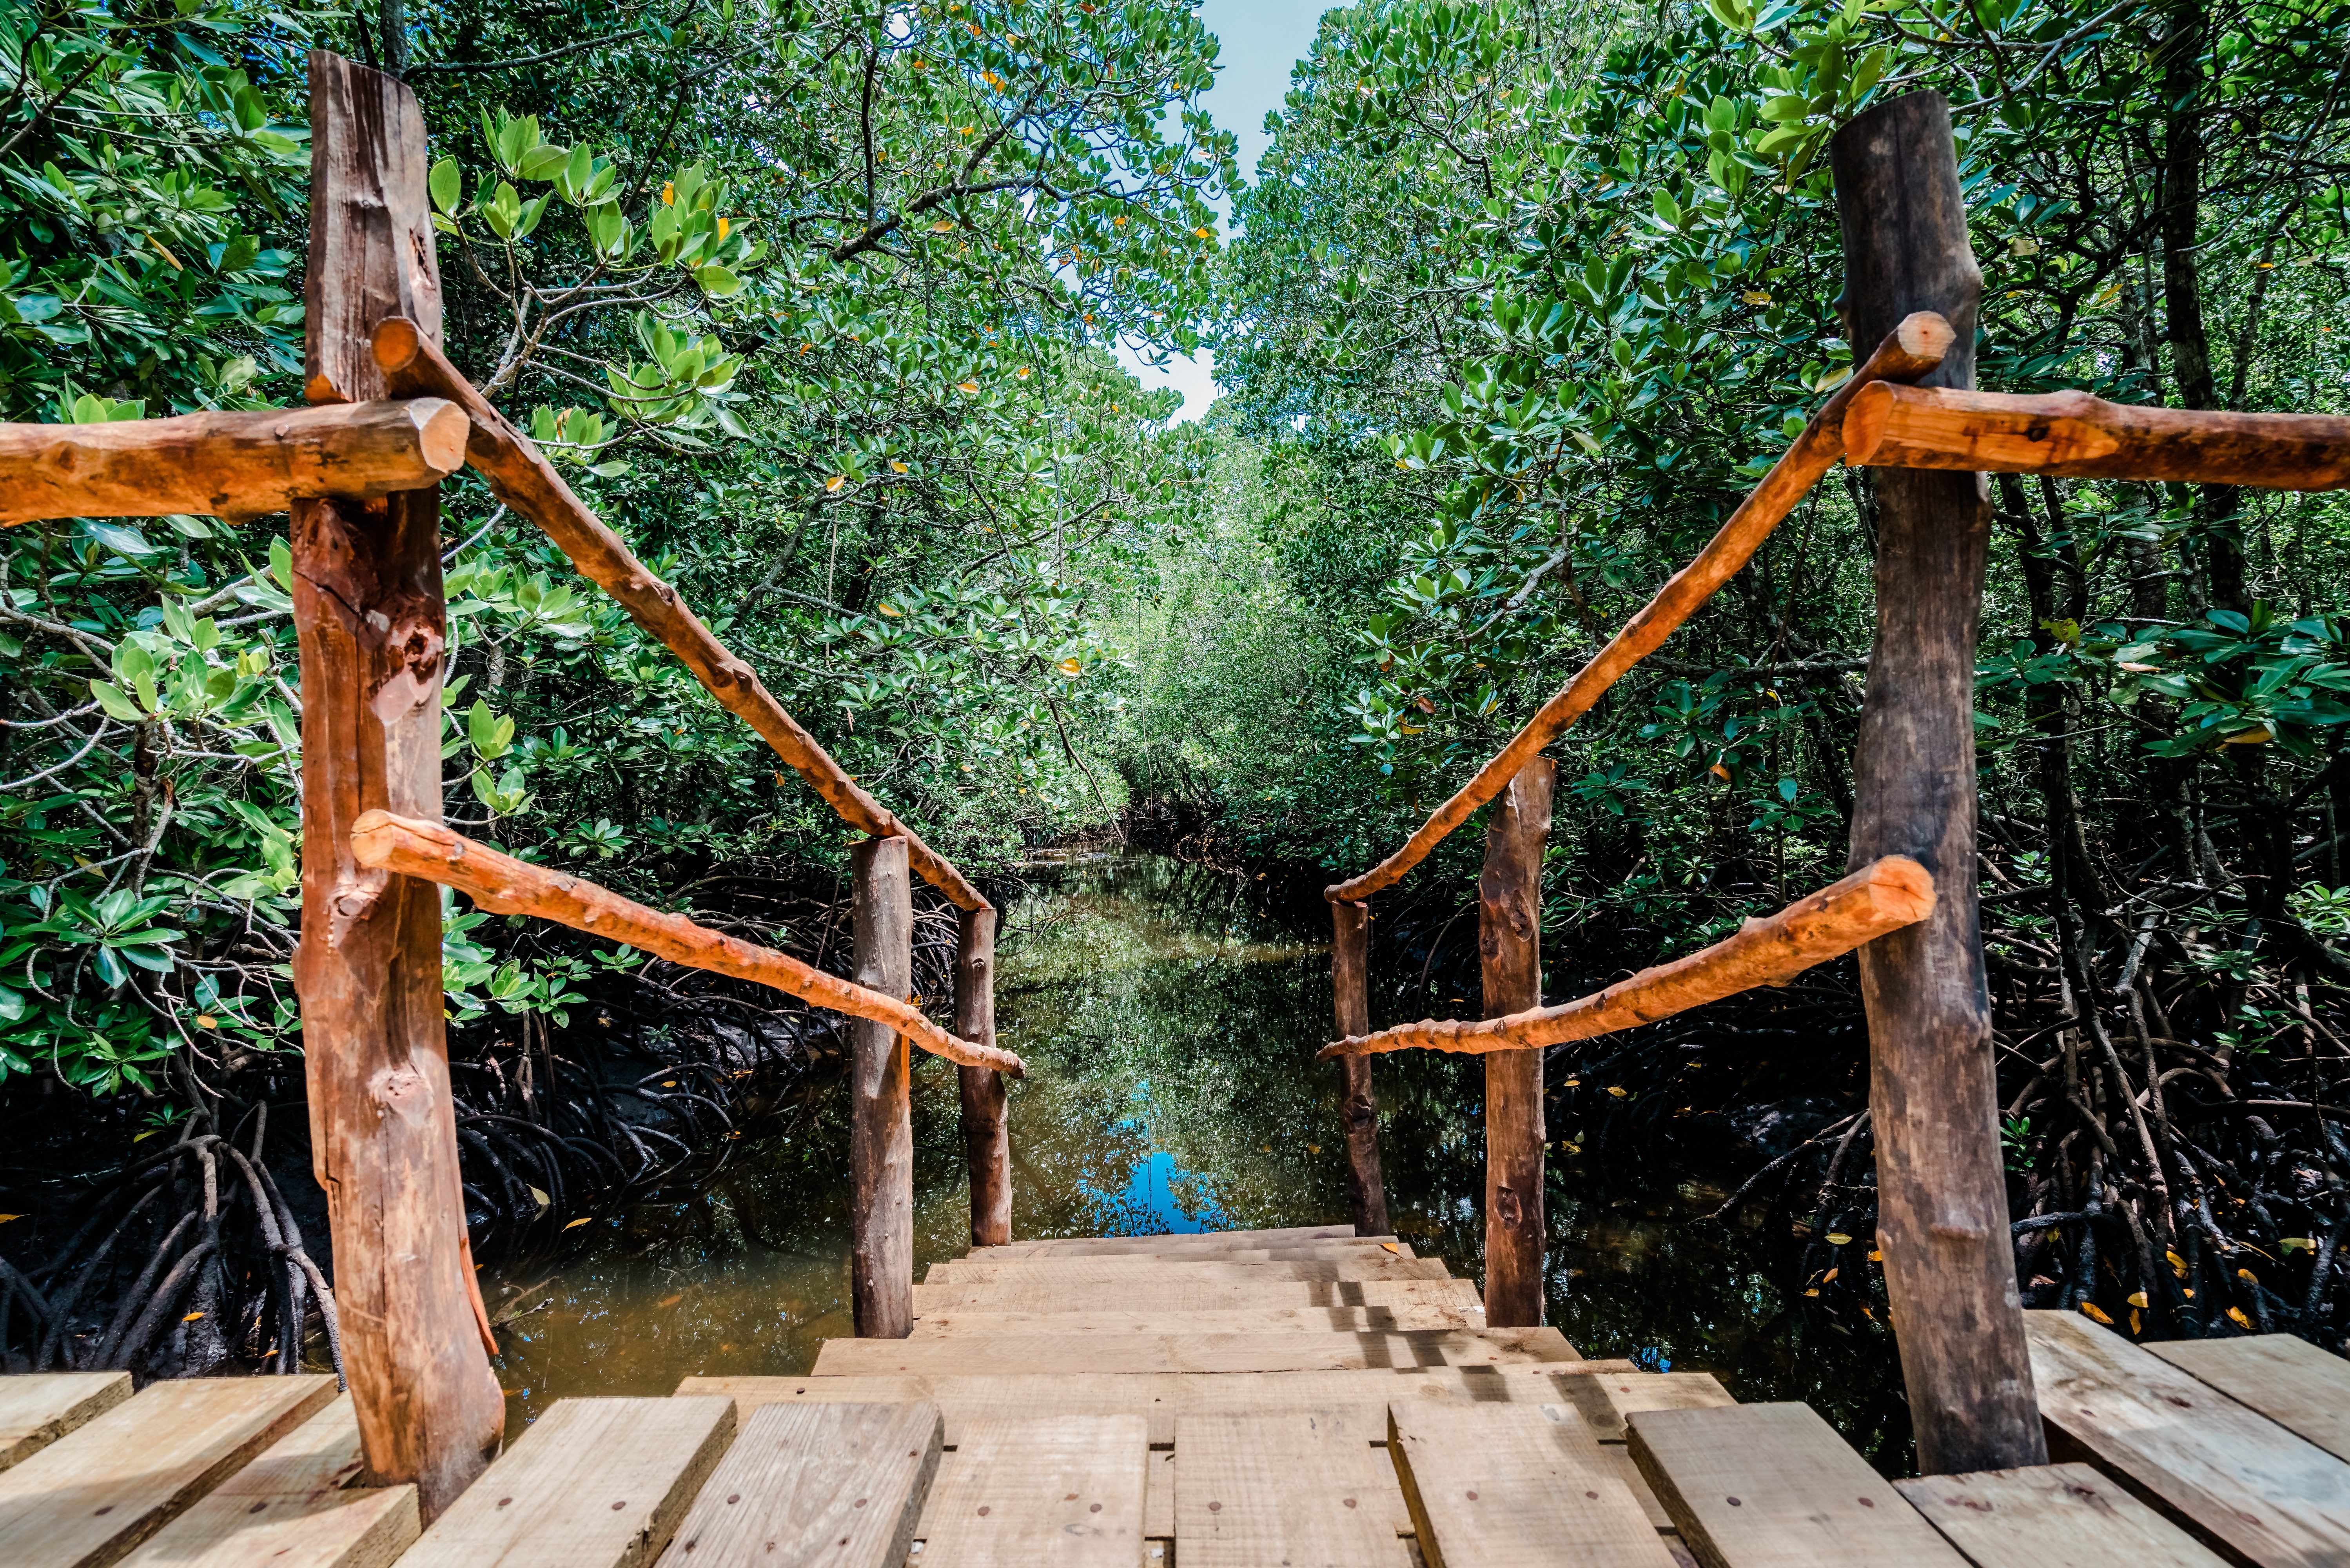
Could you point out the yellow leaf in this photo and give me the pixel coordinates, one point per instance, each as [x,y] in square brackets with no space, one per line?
[1619,1094]
[966,386]
[1755,296]
[2138,1298]
[143,1138]
[2256,736]
[1203,233]
[577,1223]
[1070,667]
[2240,1320]
[670,1301]
[206,1021]
[2248,1276]
[2178,1264]
[669,192]
[890,609]
[1826,1277]
[1720,771]
[722,227]
[1313,1148]
[5,1218]
[1571,1083]
[1876,1257]
[543,1199]
[1388,1246]
[834,483]
[2137,1324]
[896,466]
[2092,1310]
[1813,1291]
[191,1317]
[943,226]
[779,781]
[668,1083]
[1022,373]
[1838,1239]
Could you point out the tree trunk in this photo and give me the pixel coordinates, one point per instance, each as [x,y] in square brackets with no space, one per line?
[1350,943]
[986,1139]
[1943,1219]
[880,1099]
[1509,941]
[368,616]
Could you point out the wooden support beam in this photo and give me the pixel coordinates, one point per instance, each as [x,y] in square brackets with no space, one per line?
[496,881]
[1909,350]
[880,1100]
[1942,1220]
[233,465]
[2075,435]
[520,475]
[368,616]
[1881,897]
[986,1135]
[1350,947]
[1509,942]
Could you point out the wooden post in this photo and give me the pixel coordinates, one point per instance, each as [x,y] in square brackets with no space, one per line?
[1350,946]
[1942,1220]
[986,1140]
[880,1099]
[1509,940]
[369,615]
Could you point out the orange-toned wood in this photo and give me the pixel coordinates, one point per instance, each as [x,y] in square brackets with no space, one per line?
[986,1134]
[520,475]
[1910,350]
[1881,897]
[2075,435]
[502,885]
[237,465]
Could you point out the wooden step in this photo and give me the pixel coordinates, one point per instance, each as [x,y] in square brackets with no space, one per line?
[1606,1399]
[2301,1388]
[843,1485]
[37,1408]
[94,1493]
[2232,1477]
[1773,1484]
[1212,1244]
[593,1483]
[1265,1320]
[1516,1486]
[1220,1352]
[294,1507]
[1116,1271]
[1078,1245]
[1064,1492]
[2051,1516]
[1300,1487]
[1188,1294]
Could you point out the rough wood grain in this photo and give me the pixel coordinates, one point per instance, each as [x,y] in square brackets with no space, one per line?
[2051,1516]
[37,1408]
[1201,1249]
[1064,1492]
[520,475]
[1085,1245]
[1606,1400]
[1036,1292]
[986,1270]
[297,1506]
[2080,436]
[1909,351]
[1131,1325]
[1772,1486]
[1277,1352]
[1509,950]
[87,1499]
[803,1485]
[233,465]
[880,1099]
[2292,1382]
[986,1134]
[1256,1490]
[1524,1485]
[2239,1482]
[1883,896]
[1942,1206]
[1359,1106]
[496,881]
[593,1483]
[372,627]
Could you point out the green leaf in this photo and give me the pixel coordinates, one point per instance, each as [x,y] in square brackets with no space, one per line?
[717,281]
[111,698]
[545,162]
[447,184]
[117,537]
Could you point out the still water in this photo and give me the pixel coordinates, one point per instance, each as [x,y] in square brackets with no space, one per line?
[1170,1030]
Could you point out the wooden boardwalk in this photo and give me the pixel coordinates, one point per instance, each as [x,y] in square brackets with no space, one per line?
[1265,1399]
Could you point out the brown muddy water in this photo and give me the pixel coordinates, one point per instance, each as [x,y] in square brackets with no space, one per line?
[1169,1030]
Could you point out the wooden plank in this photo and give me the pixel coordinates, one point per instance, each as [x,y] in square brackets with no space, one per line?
[1618,1459]
[1239,1269]
[1604,1401]
[1509,947]
[2292,1382]
[294,1507]
[1188,1292]
[1207,1249]
[594,1483]
[1772,1486]
[1359,1105]
[1256,1490]
[880,1098]
[1081,1244]
[1159,1496]
[1521,1486]
[93,1495]
[37,1408]
[1055,1492]
[2051,1516]
[2236,1480]
[986,1135]
[1222,1353]
[839,1485]
[1266,1320]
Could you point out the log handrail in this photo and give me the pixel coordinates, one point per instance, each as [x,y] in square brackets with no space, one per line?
[1910,350]
[1883,896]
[235,465]
[2075,435]
[502,885]
[519,474]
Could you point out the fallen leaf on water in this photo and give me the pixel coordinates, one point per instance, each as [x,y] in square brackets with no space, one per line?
[143,1138]
[668,1083]
[1313,1148]
[1826,1277]
[2092,1310]
[2247,1275]
[2134,1321]
[670,1301]
[1619,1092]
[191,1317]
[2178,1264]
[2240,1320]
[543,1199]
[1838,1239]
[1876,1257]
[575,1223]
[5,1218]
[2138,1298]
[1813,1291]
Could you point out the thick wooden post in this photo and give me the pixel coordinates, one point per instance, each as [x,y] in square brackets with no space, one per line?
[986,1140]
[1350,945]
[880,1100]
[1942,1221]
[1509,941]
[368,616]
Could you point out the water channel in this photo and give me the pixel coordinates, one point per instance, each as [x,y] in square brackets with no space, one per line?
[1168,1029]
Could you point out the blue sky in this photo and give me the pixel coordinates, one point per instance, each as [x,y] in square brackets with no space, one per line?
[1261,40]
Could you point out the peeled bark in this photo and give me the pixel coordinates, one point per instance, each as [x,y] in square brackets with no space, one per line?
[880,1100]
[986,1139]
[1366,1192]
[1509,943]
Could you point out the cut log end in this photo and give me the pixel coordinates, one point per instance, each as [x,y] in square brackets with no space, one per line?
[442,431]
[1900,890]
[1924,335]
[397,342]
